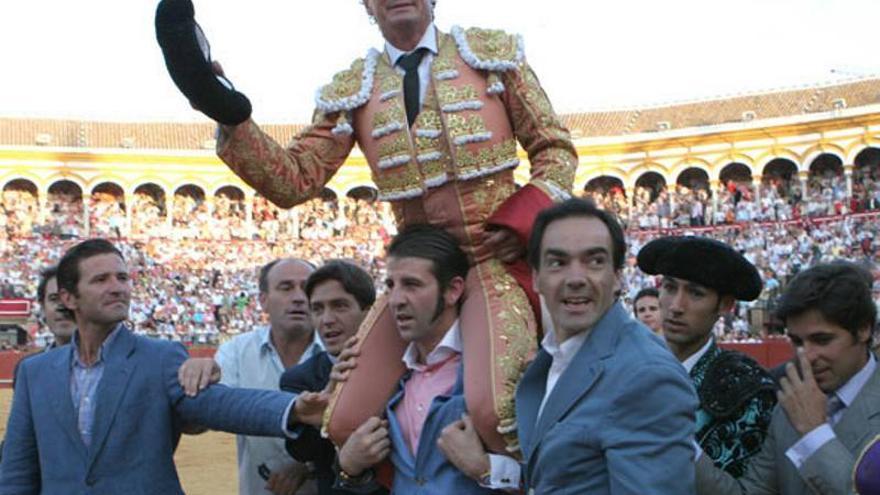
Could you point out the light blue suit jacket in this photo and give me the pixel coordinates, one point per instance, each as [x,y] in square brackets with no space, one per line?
[140,409]
[620,420]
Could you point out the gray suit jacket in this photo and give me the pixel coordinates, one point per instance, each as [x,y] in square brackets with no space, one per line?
[620,420]
[827,472]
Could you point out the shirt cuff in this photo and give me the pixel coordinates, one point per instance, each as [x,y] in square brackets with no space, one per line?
[296,430]
[698,451]
[809,444]
[504,473]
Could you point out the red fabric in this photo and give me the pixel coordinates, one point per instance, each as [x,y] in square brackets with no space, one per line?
[518,214]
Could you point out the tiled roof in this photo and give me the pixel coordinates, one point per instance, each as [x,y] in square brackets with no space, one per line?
[136,135]
[782,103]
[183,136]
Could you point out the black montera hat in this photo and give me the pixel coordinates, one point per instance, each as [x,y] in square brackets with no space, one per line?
[705,261]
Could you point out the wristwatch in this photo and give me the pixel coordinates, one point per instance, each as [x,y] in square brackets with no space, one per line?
[345,480]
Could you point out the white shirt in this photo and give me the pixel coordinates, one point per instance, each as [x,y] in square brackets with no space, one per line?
[450,344]
[429,41]
[562,355]
[814,440]
[250,360]
[694,358]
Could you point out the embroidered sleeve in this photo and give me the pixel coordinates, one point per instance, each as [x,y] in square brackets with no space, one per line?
[540,132]
[285,176]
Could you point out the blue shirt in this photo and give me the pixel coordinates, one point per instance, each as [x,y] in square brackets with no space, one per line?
[84,382]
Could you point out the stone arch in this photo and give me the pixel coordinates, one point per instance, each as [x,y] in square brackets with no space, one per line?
[328,194]
[738,172]
[868,159]
[734,159]
[107,209]
[637,172]
[152,182]
[815,152]
[22,184]
[779,156]
[65,207]
[187,202]
[693,177]
[689,163]
[826,163]
[612,172]
[364,193]
[229,201]
[65,177]
[21,179]
[653,181]
[779,168]
[603,183]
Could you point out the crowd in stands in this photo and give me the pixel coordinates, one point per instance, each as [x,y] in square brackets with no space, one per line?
[194,279]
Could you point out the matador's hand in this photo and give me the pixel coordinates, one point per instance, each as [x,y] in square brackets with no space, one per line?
[504,243]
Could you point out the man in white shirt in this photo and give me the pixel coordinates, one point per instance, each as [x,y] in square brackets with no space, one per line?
[257,359]
[830,399]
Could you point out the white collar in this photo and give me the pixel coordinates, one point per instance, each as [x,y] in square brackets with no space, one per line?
[563,352]
[850,390]
[691,361]
[264,333]
[451,344]
[429,41]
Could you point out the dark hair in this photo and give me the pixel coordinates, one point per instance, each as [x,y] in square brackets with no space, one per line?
[353,279]
[46,275]
[68,268]
[576,208]
[646,292]
[840,291]
[435,245]
[263,280]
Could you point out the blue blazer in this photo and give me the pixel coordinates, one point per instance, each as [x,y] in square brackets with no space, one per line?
[620,419]
[428,472]
[140,409]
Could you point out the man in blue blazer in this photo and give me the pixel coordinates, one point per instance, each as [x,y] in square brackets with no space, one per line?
[104,414]
[604,408]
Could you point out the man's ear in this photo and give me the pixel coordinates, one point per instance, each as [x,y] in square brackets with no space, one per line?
[368,8]
[68,300]
[454,291]
[263,298]
[725,304]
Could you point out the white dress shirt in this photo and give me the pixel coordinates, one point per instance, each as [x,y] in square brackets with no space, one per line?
[694,358]
[428,41]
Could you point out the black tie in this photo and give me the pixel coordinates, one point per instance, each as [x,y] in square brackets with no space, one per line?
[410,63]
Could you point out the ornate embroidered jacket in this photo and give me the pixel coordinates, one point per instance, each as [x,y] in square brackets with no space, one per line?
[737,397]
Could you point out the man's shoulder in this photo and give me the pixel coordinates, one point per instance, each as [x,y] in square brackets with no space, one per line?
[638,348]
[349,88]
[733,378]
[312,373]
[489,49]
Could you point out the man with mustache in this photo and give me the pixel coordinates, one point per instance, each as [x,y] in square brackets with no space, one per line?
[104,414]
[829,398]
[439,117]
[702,279]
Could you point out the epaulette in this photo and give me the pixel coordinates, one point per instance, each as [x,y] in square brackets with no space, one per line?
[489,49]
[732,380]
[350,88]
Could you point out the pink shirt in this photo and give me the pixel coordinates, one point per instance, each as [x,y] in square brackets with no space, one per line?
[426,382]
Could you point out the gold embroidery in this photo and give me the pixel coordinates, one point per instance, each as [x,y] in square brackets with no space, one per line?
[388,78]
[428,119]
[513,323]
[450,94]
[492,44]
[445,60]
[561,168]
[346,83]
[472,162]
[394,147]
[460,125]
[394,113]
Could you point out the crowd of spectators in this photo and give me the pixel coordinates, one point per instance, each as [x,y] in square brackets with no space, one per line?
[195,277]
